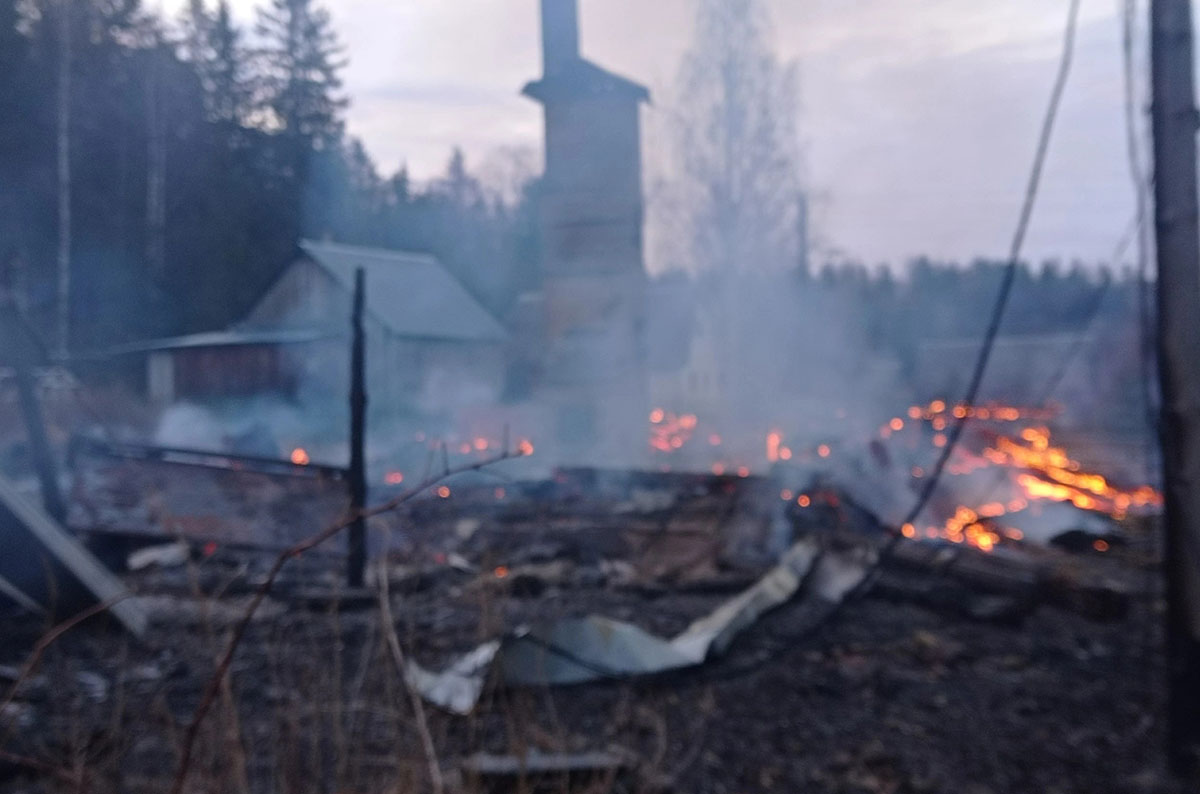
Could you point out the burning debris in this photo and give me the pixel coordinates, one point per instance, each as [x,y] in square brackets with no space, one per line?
[641,606]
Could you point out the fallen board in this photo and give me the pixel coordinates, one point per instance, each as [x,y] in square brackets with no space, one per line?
[188,495]
[45,563]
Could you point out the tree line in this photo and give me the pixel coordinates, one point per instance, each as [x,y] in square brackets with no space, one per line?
[170,166]
[192,153]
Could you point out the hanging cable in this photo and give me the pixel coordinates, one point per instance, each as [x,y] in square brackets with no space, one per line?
[1010,271]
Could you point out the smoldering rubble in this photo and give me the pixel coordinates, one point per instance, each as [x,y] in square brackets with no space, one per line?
[581,590]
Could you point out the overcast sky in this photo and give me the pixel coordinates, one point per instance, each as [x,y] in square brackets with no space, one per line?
[919,117]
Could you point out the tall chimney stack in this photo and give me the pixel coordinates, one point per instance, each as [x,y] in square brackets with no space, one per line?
[560,35]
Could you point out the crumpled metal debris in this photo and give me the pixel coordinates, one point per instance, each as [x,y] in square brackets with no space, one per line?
[593,648]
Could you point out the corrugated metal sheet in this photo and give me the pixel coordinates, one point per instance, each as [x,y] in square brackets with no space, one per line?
[411,294]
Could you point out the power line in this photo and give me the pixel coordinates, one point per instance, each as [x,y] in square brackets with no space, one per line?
[1141,186]
[1146,335]
[1064,70]
[1079,344]
[1010,273]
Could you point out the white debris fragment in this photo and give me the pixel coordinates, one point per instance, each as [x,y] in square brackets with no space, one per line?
[171,555]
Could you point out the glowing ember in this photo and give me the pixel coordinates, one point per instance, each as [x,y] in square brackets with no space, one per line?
[394,478]
[785,453]
[824,451]
[718,469]
[525,447]
[501,572]
[444,492]
[481,445]
[786,495]
[1101,545]
[774,440]
[300,457]
[670,432]
[743,471]
[1059,478]
[1040,472]
[897,424]
[804,501]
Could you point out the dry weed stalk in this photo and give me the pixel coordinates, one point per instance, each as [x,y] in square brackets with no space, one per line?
[418,705]
[213,688]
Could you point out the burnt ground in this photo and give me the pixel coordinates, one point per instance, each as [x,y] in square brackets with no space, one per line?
[887,696]
[884,697]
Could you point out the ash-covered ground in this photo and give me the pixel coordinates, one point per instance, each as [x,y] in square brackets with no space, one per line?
[900,691]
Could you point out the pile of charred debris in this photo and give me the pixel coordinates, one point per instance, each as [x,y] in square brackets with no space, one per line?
[591,631]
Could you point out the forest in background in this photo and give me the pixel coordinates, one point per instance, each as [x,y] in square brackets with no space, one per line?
[198,153]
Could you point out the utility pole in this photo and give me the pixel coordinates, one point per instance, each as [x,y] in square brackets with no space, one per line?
[156,165]
[1178,233]
[358,436]
[64,179]
[23,352]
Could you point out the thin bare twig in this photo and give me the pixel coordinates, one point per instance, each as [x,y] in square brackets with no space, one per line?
[35,765]
[213,687]
[48,639]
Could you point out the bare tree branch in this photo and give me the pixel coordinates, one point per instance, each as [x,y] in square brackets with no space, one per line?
[214,683]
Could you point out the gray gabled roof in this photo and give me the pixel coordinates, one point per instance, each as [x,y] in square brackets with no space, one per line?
[413,295]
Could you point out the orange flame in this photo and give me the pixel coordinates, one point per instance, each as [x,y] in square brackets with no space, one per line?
[1042,472]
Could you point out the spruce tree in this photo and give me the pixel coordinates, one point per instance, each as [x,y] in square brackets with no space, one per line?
[213,44]
[300,60]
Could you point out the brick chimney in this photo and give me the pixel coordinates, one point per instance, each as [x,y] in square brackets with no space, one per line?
[560,35]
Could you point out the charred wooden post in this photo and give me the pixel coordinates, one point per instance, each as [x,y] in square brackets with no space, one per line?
[23,352]
[358,435]
[39,445]
[1178,236]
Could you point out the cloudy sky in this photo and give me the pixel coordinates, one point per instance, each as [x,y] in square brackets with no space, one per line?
[919,117]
